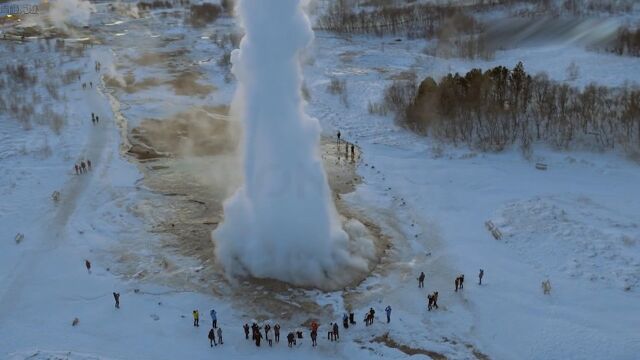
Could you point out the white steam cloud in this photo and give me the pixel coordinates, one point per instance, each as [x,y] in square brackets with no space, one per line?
[281,223]
[63,13]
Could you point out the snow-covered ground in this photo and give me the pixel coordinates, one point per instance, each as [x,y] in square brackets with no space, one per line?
[576,224]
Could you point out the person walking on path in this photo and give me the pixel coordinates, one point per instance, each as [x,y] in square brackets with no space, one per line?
[87,264]
[212,337]
[480,275]
[214,318]
[246,331]
[388,311]
[219,336]
[196,318]
[116,297]
[421,280]
[336,331]
[276,332]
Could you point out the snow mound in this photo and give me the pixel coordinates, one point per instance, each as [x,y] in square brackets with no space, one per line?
[574,236]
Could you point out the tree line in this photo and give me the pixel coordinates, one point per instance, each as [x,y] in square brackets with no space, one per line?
[499,107]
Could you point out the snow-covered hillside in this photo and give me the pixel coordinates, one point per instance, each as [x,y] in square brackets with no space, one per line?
[576,224]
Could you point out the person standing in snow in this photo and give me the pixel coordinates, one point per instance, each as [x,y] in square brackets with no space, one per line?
[89,164]
[457,283]
[77,169]
[87,264]
[97,119]
[435,299]
[219,336]
[246,331]
[461,281]
[258,336]
[345,320]
[336,331]
[196,318]
[116,297]
[314,338]
[352,318]
[83,166]
[430,305]
[291,339]
[276,332]
[421,280]
[214,318]
[212,337]
[388,311]
[480,275]
[373,314]
[338,137]
[267,328]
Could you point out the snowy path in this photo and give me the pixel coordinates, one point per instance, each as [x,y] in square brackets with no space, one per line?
[54,232]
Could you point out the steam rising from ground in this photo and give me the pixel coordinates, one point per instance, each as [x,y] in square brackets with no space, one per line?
[282,222]
[70,12]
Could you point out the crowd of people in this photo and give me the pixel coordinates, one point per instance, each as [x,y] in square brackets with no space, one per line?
[82,167]
[260,334]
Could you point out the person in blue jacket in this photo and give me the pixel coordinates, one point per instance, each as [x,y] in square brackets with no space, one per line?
[214,318]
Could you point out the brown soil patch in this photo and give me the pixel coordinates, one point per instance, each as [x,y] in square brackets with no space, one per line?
[389,342]
[186,84]
[191,160]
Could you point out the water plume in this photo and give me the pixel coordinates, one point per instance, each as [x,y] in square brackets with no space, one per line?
[281,223]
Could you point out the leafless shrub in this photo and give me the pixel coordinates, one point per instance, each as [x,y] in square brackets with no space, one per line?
[413,20]
[227,6]
[336,86]
[152,5]
[225,59]
[339,87]
[203,14]
[626,42]
[52,89]
[573,71]
[70,76]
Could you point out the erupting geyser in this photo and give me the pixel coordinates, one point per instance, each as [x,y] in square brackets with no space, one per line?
[282,222]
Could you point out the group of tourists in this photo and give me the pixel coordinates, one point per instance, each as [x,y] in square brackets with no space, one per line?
[82,167]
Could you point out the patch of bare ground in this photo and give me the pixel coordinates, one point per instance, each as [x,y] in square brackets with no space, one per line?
[389,342]
[129,84]
[186,84]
